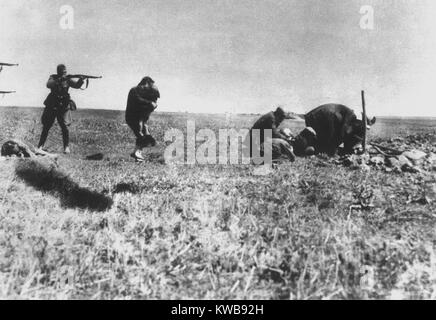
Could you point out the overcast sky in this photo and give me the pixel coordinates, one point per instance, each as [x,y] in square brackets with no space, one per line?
[243,56]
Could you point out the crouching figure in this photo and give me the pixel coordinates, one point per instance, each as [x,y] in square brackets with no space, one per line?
[336,124]
[279,140]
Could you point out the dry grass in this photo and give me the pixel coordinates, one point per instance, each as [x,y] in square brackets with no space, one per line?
[151,231]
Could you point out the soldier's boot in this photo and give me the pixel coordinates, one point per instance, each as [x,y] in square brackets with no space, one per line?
[137,155]
[41,151]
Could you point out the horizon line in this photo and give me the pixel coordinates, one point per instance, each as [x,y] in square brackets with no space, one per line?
[223,113]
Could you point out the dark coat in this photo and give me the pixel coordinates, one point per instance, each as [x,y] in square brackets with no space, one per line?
[268,121]
[139,106]
[305,139]
[334,124]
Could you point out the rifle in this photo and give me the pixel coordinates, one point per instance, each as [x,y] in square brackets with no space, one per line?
[5,92]
[2,64]
[83,76]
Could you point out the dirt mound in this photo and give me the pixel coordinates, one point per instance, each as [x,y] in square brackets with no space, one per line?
[414,154]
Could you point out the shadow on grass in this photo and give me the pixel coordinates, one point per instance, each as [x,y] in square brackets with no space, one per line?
[127,188]
[48,179]
[95,157]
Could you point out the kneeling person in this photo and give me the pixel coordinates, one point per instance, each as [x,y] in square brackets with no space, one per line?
[269,121]
[304,143]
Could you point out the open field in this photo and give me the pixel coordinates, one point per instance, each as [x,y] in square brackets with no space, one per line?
[115,229]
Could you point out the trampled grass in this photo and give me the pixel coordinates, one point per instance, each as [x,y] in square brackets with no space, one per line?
[157,231]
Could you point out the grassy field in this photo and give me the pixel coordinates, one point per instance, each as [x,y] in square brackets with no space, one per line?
[116,229]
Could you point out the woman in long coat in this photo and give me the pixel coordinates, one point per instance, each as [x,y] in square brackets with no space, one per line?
[142,101]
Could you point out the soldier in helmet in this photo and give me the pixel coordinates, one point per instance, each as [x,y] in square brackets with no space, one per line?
[141,102]
[58,105]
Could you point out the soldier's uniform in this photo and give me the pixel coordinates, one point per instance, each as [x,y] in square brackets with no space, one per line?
[57,106]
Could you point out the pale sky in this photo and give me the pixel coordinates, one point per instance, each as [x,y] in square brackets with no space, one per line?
[242,56]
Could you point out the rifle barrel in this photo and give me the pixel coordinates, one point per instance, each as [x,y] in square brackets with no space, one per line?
[8,64]
[84,76]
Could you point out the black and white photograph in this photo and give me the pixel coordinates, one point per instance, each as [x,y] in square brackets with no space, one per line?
[217,150]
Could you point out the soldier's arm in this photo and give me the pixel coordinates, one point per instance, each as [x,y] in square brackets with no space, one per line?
[51,83]
[75,84]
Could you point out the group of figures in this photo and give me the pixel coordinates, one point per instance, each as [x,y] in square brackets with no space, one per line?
[327,127]
[141,102]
